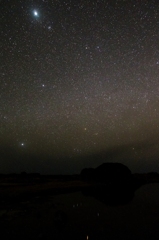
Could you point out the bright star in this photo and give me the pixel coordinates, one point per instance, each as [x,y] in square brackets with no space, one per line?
[22,144]
[36,13]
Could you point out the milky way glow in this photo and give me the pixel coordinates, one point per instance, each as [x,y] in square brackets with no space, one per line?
[79,84]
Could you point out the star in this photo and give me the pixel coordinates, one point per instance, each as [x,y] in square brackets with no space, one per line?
[71,88]
[36,14]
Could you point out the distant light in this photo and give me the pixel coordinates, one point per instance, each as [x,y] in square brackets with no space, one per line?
[22,144]
[36,13]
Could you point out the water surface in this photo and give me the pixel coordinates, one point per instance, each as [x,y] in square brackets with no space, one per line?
[76,216]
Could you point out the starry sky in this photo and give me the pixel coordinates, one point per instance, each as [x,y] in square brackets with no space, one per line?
[79,85]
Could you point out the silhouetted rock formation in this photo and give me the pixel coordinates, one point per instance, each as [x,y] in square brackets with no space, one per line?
[112,172]
[107,173]
[112,183]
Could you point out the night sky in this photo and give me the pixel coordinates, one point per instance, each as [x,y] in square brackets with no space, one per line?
[79,85]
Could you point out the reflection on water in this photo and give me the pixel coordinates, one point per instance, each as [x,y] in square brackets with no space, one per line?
[138,219]
[86,216]
[111,195]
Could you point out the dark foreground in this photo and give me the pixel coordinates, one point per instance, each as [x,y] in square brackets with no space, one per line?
[65,207]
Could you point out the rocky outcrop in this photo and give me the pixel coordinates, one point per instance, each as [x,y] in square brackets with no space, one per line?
[107,173]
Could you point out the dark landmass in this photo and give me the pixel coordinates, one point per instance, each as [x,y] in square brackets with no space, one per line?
[28,209]
[109,179]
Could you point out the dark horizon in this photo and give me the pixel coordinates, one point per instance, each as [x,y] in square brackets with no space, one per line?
[61,165]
